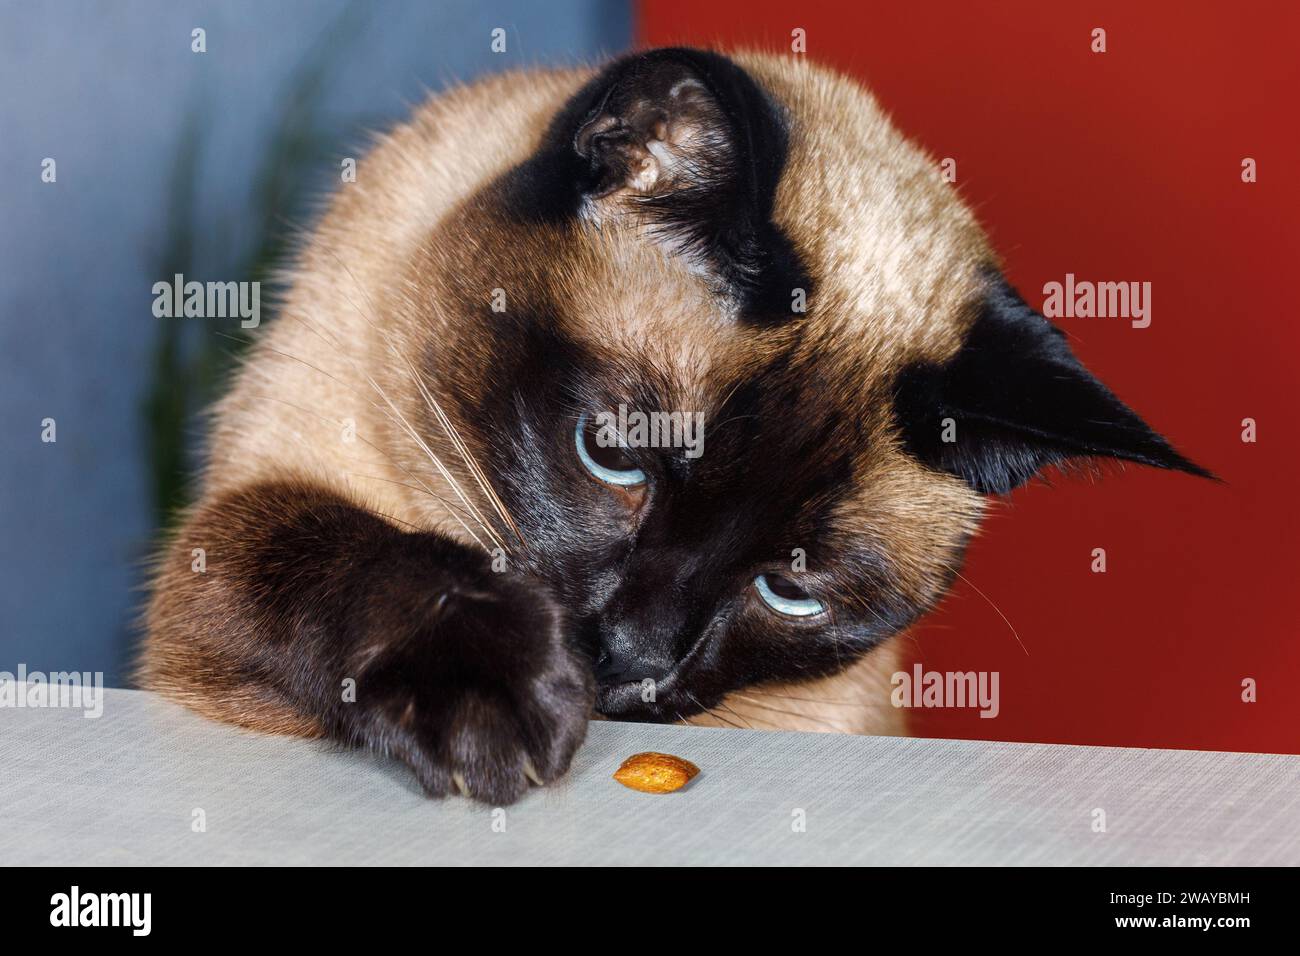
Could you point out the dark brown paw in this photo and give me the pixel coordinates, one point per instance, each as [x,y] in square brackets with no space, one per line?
[485,698]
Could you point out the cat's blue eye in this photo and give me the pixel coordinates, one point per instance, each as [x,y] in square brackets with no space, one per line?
[784,596]
[610,461]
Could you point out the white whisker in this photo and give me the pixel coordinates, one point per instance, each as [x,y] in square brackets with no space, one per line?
[451,508]
[403,425]
[1014,633]
[450,430]
[437,462]
[475,471]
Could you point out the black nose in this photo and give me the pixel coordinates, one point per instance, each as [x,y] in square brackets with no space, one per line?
[607,672]
[631,654]
[646,624]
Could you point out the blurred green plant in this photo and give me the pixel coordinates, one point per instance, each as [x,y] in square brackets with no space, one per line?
[193,359]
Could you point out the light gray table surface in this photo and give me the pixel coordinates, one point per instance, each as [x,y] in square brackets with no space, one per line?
[125,788]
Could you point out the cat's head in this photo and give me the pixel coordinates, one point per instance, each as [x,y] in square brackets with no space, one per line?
[744,243]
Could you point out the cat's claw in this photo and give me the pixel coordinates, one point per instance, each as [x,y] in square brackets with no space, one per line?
[531,773]
[458,779]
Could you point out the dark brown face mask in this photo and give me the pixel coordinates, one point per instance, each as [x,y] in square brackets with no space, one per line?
[669,574]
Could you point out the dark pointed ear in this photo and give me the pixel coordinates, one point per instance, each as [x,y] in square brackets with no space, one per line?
[1015,400]
[688,141]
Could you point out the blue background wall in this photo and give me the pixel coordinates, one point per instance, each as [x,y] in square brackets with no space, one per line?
[107,90]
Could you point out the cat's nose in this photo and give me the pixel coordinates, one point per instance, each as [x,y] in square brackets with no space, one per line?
[628,654]
[607,670]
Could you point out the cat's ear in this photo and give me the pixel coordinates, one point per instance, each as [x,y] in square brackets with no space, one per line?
[1015,400]
[659,127]
[687,141]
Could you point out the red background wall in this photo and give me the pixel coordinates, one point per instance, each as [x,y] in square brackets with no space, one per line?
[1122,166]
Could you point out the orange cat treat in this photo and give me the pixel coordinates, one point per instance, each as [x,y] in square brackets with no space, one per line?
[655,772]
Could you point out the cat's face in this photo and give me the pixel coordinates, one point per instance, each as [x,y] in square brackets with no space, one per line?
[742,370]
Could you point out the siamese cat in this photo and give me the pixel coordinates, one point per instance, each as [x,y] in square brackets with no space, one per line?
[421,532]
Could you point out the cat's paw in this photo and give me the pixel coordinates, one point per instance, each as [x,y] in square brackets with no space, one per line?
[486,696]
